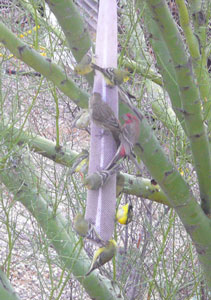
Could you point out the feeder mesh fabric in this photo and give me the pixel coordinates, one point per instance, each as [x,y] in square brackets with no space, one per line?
[101,203]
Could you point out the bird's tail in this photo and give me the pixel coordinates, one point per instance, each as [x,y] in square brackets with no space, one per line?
[134,160]
[96,67]
[119,154]
[126,97]
[90,271]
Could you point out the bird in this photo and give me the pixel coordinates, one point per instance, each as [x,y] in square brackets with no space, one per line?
[127,98]
[82,167]
[125,214]
[81,226]
[85,229]
[99,178]
[82,119]
[85,65]
[80,163]
[126,135]
[128,138]
[113,76]
[102,255]
[102,115]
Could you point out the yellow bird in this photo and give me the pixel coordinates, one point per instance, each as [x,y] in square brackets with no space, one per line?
[82,167]
[82,119]
[103,255]
[112,76]
[81,226]
[125,214]
[85,65]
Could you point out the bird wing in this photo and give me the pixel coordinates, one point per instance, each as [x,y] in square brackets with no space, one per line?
[104,114]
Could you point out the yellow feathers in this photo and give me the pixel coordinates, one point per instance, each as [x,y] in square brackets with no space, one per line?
[113,76]
[124,214]
[82,119]
[85,65]
[82,167]
[103,255]
[81,226]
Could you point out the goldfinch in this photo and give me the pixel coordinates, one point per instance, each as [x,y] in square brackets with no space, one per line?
[82,119]
[125,214]
[81,226]
[85,65]
[103,255]
[82,167]
[97,179]
[113,76]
